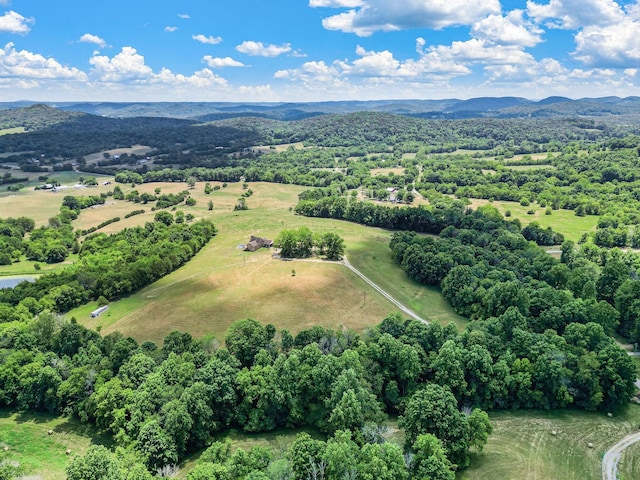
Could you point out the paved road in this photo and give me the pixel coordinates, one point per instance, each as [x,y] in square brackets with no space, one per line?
[612,456]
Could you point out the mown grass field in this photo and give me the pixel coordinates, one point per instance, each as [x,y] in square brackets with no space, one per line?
[522,446]
[223,284]
[563,221]
[9,131]
[43,456]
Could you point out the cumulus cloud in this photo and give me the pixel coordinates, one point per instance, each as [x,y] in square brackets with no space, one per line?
[129,67]
[184,16]
[211,40]
[169,28]
[573,14]
[511,29]
[216,62]
[479,51]
[96,40]
[13,22]
[32,66]
[250,47]
[610,46]
[382,15]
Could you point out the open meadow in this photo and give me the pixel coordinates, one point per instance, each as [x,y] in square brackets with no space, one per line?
[563,221]
[223,284]
[523,446]
[40,453]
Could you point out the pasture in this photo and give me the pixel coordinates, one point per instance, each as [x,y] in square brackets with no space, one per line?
[40,453]
[223,284]
[10,131]
[563,221]
[523,446]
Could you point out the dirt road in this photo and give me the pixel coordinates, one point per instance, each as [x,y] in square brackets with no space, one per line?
[386,295]
[612,456]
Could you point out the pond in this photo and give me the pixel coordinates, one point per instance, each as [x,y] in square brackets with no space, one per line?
[10,282]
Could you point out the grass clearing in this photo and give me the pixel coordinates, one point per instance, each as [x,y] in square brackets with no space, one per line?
[522,446]
[524,168]
[563,221]
[223,284]
[133,150]
[10,131]
[41,205]
[387,171]
[38,452]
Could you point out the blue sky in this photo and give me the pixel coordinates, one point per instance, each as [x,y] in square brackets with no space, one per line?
[316,50]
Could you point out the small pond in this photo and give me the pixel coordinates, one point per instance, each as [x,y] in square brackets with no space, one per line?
[10,282]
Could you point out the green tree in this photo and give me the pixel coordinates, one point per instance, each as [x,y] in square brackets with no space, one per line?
[245,338]
[430,459]
[163,217]
[96,463]
[434,410]
[156,445]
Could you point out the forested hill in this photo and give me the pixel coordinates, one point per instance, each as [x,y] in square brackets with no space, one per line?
[624,109]
[56,133]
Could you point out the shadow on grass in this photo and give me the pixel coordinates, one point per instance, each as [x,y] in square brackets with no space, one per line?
[76,428]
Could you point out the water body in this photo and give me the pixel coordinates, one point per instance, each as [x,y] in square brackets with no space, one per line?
[10,282]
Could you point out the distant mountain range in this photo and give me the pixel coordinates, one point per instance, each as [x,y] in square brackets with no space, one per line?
[482,107]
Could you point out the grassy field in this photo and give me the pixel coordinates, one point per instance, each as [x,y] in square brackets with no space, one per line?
[41,205]
[223,284]
[563,221]
[26,436]
[524,168]
[9,131]
[522,446]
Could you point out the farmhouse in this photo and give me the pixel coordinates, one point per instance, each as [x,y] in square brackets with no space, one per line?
[257,242]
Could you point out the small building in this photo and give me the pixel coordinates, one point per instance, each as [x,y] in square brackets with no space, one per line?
[256,243]
[99,310]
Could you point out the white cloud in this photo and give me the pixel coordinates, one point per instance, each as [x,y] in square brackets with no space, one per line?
[384,15]
[211,40]
[371,64]
[13,22]
[573,14]
[126,66]
[215,62]
[32,66]
[184,16]
[336,3]
[250,47]
[479,51]
[89,38]
[129,67]
[610,46]
[509,30]
[169,28]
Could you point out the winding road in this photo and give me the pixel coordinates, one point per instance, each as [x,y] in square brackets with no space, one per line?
[612,456]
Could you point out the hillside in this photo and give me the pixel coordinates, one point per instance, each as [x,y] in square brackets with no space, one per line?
[482,107]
